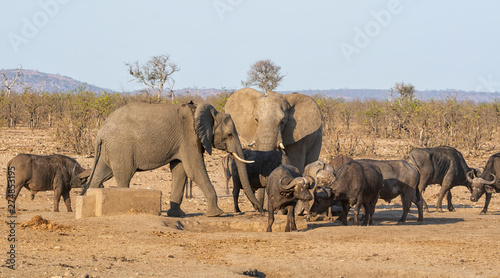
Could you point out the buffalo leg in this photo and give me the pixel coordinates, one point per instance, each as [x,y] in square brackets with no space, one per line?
[67,201]
[419,201]
[357,208]
[406,202]
[270,211]
[446,186]
[448,198]
[57,197]
[369,211]
[290,219]
[345,211]
[486,203]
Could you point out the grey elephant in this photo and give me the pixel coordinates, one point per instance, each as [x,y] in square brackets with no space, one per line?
[291,123]
[141,137]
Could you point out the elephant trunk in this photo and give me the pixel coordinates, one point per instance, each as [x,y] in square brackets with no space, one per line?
[245,182]
[269,139]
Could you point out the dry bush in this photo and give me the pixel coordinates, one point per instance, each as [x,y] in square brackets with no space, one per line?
[354,128]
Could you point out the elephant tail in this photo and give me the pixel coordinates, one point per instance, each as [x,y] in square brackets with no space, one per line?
[98,146]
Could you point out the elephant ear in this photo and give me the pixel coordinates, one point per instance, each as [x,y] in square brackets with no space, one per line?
[241,106]
[204,117]
[304,118]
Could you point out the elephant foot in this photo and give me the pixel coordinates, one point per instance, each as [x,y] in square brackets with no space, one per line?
[175,210]
[482,213]
[452,209]
[214,212]
[440,210]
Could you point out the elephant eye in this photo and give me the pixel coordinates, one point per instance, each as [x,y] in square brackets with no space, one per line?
[256,120]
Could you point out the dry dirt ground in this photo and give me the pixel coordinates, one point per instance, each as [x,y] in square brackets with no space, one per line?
[48,244]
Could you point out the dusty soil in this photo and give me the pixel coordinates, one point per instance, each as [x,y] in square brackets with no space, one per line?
[48,244]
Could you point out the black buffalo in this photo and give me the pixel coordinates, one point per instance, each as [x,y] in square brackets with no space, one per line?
[258,171]
[441,165]
[356,184]
[42,173]
[487,182]
[284,187]
[400,179]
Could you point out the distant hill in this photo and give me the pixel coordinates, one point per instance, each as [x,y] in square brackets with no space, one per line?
[51,82]
[59,83]
[367,94]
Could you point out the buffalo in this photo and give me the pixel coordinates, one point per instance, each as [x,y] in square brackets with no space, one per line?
[487,182]
[356,184]
[284,187]
[258,171]
[441,165]
[42,173]
[400,179]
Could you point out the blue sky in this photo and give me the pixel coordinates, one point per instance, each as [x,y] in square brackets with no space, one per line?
[318,44]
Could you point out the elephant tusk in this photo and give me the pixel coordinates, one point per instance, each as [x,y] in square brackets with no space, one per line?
[282,146]
[251,145]
[241,159]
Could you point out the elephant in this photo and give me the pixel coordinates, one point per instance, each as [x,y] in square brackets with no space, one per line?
[290,123]
[141,137]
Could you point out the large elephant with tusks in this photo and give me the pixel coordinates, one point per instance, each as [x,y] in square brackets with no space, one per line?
[272,121]
[140,137]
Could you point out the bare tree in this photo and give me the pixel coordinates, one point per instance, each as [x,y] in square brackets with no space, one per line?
[264,74]
[405,91]
[154,73]
[13,83]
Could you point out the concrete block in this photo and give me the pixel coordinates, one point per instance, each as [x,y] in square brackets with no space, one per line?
[113,201]
[85,206]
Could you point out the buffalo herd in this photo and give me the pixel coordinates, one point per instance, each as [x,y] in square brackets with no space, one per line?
[342,183]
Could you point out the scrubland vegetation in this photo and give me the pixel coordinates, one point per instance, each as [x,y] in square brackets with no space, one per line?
[350,127]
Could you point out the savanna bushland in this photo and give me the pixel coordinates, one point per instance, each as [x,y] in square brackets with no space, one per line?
[450,244]
[352,128]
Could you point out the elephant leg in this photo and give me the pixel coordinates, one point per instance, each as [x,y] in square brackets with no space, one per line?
[260,194]
[179,179]
[236,193]
[101,174]
[189,189]
[200,178]
[123,173]
[270,218]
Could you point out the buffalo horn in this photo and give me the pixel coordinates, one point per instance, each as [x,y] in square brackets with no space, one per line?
[84,174]
[286,183]
[489,182]
[471,176]
[311,181]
